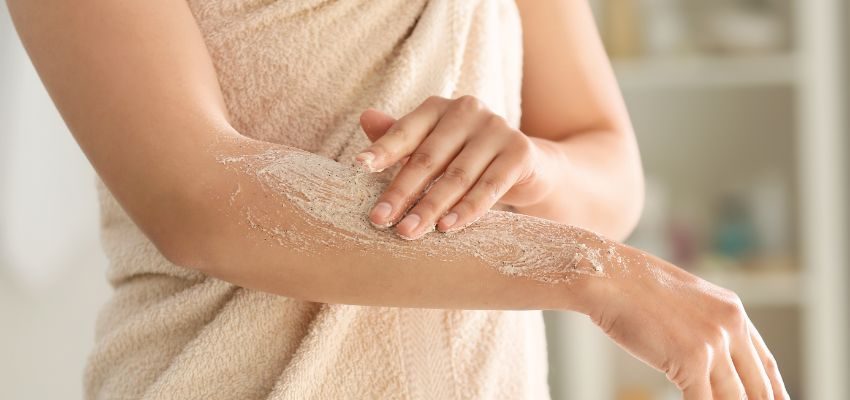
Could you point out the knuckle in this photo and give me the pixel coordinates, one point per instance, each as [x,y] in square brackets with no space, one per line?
[494,121]
[468,103]
[399,131]
[457,176]
[770,364]
[434,99]
[427,208]
[473,207]
[708,332]
[729,296]
[732,311]
[714,338]
[421,160]
[521,143]
[466,207]
[381,148]
[492,186]
[395,195]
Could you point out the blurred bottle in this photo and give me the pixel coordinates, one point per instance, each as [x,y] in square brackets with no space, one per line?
[684,242]
[734,234]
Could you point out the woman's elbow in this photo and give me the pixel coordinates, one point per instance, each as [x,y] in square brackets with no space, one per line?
[182,230]
[181,248]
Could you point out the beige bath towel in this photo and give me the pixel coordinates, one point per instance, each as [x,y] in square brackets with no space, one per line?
[299,72]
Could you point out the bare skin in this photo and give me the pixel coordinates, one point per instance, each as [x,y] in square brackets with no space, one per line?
[139,92]
[574,158]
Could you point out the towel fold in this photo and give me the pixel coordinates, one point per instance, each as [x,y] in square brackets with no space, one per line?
[300,73]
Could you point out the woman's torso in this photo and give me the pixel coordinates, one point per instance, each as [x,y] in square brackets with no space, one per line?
[300,73]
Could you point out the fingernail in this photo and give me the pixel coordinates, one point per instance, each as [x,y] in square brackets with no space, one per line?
[382,211]
[365,159]
[464,225]
[448,220]
[408,224]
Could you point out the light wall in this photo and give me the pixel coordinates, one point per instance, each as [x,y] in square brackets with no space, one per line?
[51,267]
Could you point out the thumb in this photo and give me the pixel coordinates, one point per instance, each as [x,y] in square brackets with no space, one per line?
[375,123]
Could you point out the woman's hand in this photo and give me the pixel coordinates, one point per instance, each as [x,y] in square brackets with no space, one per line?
[459,159]
[697,333]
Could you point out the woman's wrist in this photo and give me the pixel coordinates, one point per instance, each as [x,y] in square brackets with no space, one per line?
[594,269]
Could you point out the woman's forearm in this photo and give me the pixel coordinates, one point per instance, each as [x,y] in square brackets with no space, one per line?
[293,223]
[139,93]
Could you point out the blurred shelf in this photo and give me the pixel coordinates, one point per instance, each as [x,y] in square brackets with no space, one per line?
[706,71]
[759,288]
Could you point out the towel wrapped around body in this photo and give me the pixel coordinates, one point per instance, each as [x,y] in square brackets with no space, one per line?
[299,72]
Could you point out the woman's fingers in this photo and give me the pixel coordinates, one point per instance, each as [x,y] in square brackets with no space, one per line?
[428,142]
[750,369]
[698,391]
[404,136]
[375,123]
[407,186]
[701,337]
[725,381]
[454,182]
[427,161]
[490,187]
[769,362]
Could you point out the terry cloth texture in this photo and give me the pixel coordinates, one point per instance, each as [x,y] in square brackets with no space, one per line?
[300,73]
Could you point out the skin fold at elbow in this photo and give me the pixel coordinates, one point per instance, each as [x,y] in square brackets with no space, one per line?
[185,228]
[184,249]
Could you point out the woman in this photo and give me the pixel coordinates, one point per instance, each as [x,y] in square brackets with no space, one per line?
[246,268]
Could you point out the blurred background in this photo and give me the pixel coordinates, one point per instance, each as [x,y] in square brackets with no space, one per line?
[741,115]
[740,111]
[52,270]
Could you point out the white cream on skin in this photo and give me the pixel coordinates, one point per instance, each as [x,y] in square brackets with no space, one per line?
[336,200]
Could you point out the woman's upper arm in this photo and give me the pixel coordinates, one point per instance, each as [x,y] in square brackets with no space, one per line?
[136,87]
[568,85]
